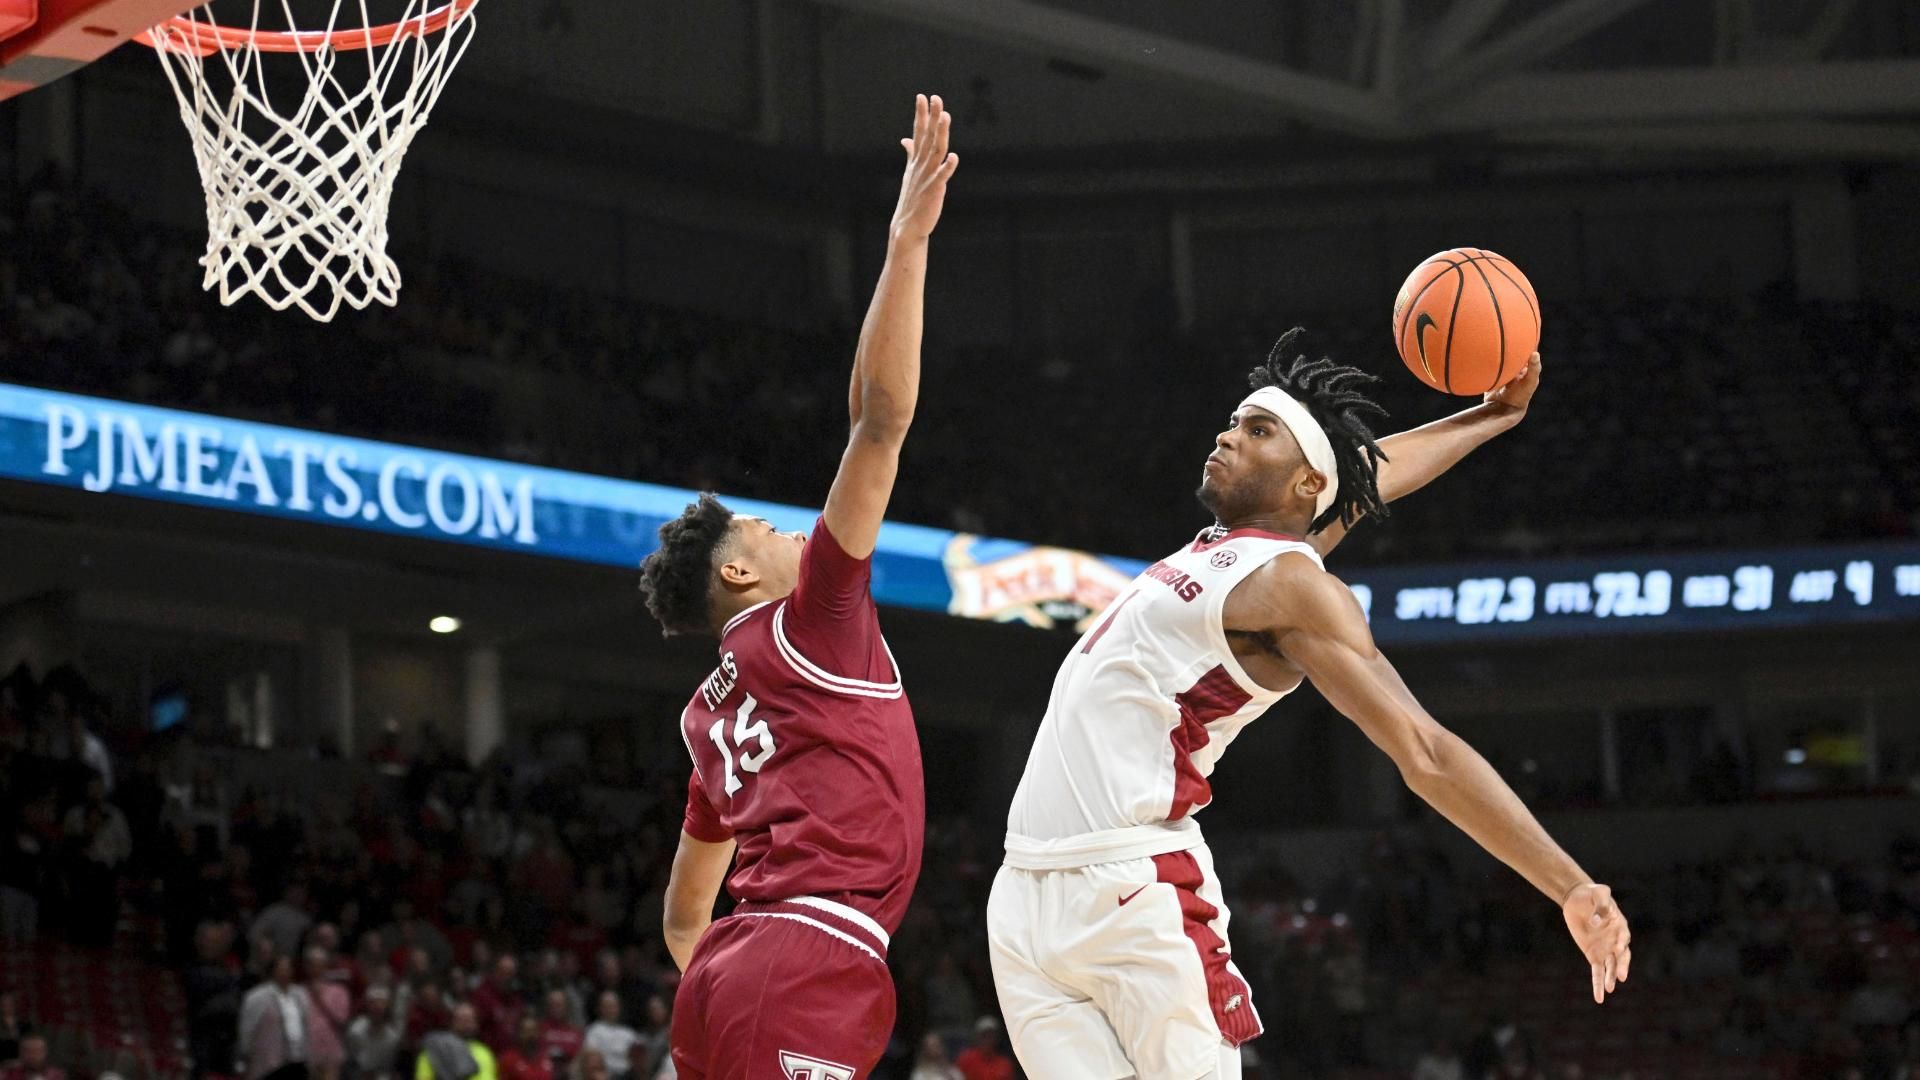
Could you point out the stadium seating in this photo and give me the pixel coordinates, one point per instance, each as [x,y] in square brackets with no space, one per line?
[1667,423]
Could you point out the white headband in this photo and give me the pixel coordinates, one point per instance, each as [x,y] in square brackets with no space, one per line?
[1307,432]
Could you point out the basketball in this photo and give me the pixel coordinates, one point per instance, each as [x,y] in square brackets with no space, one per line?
[1465,321]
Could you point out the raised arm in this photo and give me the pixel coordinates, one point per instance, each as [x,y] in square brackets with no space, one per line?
[886,365]
[1414,458]
[1320,628]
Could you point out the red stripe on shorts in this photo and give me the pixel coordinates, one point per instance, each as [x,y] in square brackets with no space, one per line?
[1227,993]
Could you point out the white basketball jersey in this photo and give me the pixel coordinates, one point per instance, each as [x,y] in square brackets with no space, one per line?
[1141,711]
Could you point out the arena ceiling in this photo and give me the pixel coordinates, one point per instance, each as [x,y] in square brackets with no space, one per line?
[1793,79]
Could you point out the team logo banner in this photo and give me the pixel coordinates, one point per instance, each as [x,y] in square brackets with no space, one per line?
[1007,581]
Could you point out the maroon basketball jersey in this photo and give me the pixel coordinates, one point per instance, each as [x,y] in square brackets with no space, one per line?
[804,749]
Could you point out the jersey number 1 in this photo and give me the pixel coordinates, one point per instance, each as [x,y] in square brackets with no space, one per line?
[745,730]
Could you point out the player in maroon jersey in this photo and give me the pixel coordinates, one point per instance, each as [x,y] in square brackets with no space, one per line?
[806,765]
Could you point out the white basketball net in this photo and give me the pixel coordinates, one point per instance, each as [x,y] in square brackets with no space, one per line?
[297,201]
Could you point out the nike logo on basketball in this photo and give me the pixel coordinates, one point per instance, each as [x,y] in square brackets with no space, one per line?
[1131,895]
[1420,336]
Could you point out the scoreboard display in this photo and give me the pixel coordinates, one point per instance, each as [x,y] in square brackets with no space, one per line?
[1717,591]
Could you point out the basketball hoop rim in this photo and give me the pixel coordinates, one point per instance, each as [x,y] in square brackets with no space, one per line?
[206,38]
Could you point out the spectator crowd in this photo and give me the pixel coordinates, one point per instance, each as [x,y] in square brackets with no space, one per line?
[1821,443]
[448,922]
[436,921]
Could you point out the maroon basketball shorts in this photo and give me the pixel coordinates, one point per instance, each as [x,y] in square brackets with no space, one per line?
[792,990]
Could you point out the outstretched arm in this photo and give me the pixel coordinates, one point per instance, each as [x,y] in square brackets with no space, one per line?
[1414,458]
[886,365]
[1321,629]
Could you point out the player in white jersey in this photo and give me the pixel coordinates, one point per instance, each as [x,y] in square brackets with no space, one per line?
[1106,925]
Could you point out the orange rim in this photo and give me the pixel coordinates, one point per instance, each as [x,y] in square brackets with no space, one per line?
[208,38]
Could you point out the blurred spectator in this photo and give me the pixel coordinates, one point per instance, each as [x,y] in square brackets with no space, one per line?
[932,1063]
[1880,1002]
[410,932]
[1346,974]
[951,1010]
[496,1001]
[87,748]
[1440,1062]
[428,1011]
[374,1038]
[285,921]
[13,1027]
[457,1053]
[608,1035]
[525,1060]
[591,1065]
[101,842]
[213,999]
[560,973]
[63,705]
[273,1026]
[32,1063]
[1516,1063]
[329,1009]
[656,1031]
[560,1037]
[1488,1051]
[23,870]
[638,980]
[985,1060]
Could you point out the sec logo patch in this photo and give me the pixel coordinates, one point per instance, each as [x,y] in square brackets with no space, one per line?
[1222,559]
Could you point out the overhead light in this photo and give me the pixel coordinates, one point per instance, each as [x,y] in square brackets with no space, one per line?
[1796,756]
[443,624]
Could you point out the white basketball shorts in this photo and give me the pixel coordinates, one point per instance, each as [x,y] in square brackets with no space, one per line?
[1119,970]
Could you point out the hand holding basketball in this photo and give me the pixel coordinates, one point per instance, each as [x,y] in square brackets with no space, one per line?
[1518,394]
[923,190]
[1601,931]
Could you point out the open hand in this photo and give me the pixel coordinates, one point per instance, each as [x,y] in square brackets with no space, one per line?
[1601,931]
[1516,394]
[923,191]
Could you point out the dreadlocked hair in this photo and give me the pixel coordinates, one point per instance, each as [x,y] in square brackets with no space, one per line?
[1335,395]
[677,579]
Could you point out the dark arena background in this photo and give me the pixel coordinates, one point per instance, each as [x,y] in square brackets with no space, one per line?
[411,725]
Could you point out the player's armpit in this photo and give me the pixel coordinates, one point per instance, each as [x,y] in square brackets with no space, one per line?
[699,869]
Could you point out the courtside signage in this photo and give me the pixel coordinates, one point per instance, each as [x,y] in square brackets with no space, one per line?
[118,449]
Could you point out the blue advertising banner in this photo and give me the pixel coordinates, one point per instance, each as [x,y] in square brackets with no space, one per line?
[111,447]
[114,448]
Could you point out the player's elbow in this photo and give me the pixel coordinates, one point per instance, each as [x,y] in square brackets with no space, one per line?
[682,930]
[884,416]
[681,918]
[1423,756]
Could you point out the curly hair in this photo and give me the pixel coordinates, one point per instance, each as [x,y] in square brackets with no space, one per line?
[1333,394]
[677,579]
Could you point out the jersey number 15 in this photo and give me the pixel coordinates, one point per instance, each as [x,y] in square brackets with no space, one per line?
[746,731]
